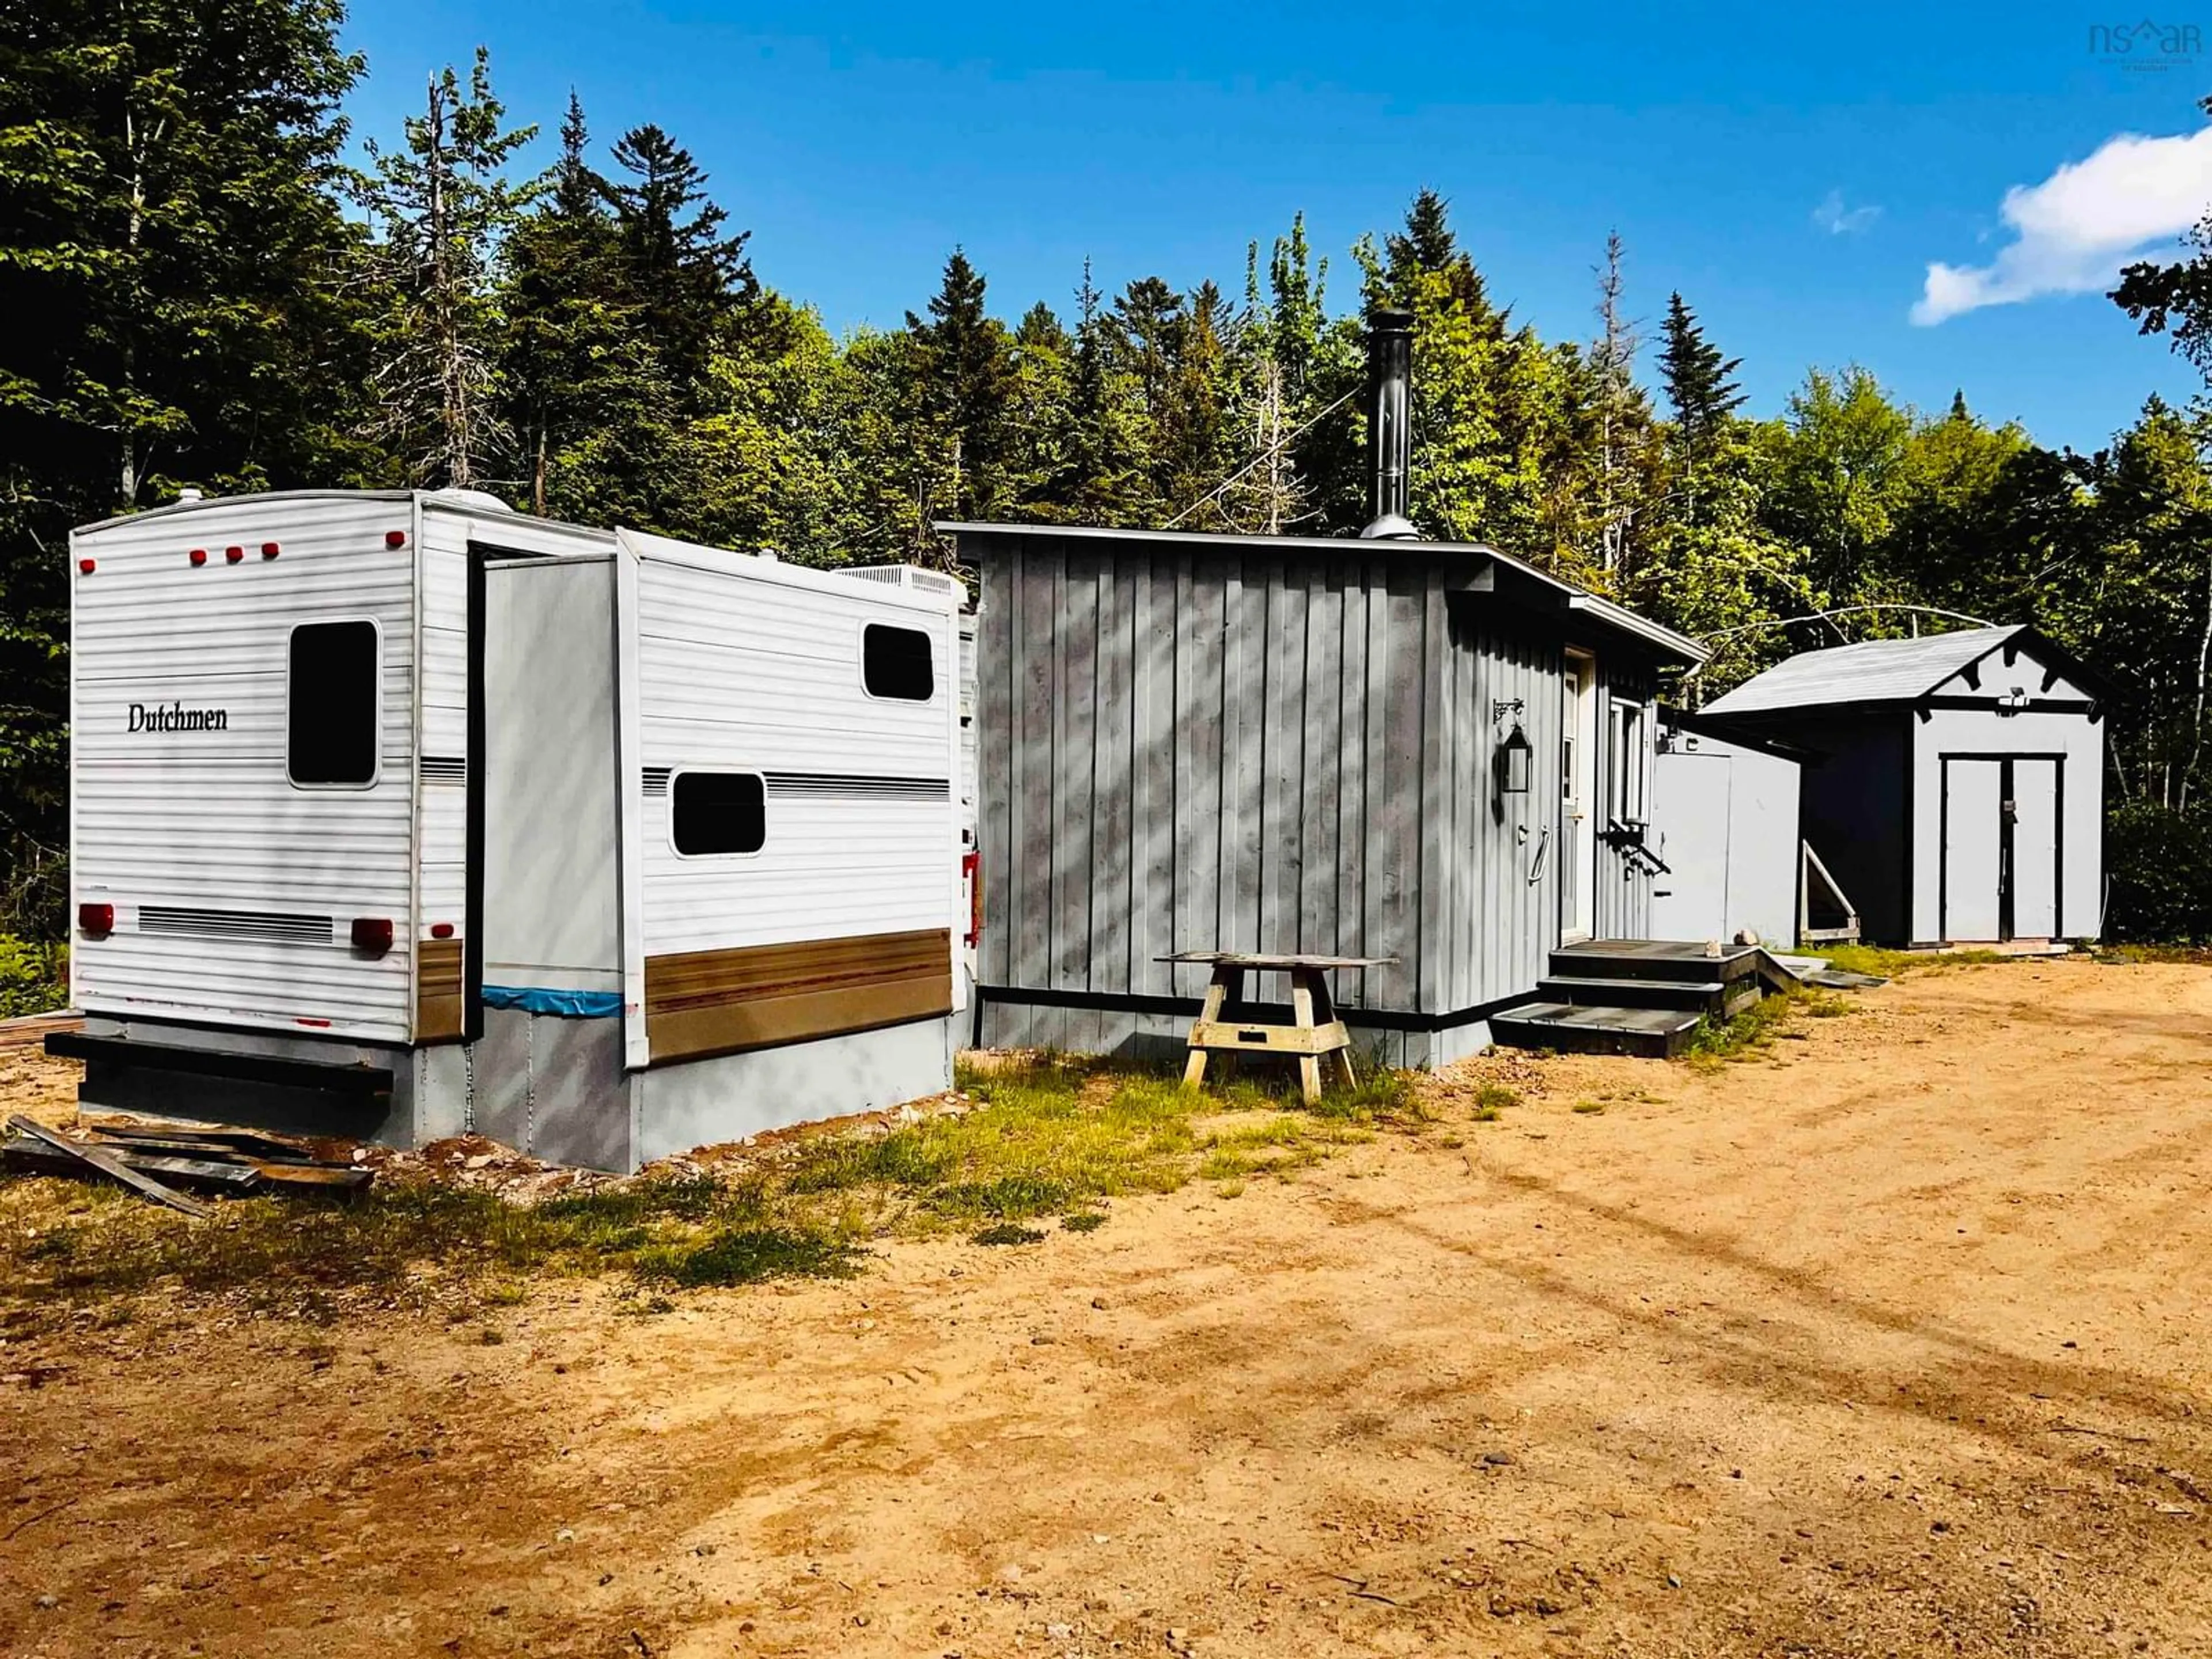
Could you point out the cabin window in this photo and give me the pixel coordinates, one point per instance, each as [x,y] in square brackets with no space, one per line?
[711,813]
[895,663]
[1629,739]
[332,706]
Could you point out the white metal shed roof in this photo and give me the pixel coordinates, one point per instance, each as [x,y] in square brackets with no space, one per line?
[1879,670]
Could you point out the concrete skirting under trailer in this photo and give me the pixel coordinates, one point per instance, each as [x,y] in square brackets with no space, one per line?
[549,1085]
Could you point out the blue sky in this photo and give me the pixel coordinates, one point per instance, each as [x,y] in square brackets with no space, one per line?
[1795,170]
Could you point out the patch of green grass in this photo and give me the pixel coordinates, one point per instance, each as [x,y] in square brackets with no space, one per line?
[1009,1232]
[1038,1141]
[1384,1094]
[1048,1137]
[1589,1108]
[1715,1042]
[1888,964]
[400,1241]
[745,1255]
[1490,1102]
[2196,956]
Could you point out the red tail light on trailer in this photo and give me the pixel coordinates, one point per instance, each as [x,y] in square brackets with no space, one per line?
[971,867]
[372,934]
[85,567]
[232,555]
[198,556]
[395,538]
[97,920]
[269,549]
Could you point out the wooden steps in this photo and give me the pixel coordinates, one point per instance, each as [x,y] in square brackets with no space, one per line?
[1697,995]
[1651,1033]
[1644,997]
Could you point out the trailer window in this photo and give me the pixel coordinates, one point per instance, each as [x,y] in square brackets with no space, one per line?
[895,663]
[717,812]
[332,706]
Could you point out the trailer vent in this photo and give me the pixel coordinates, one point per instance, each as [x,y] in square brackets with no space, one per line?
[280,925]
[791,784]
[656,780]
[443,768]
[903,575]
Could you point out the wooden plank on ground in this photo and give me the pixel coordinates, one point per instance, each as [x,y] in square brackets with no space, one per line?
[112,1166]
[339,1177]
[197,1143]
[29,1157]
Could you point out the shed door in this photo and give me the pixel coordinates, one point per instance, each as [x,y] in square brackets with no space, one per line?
[1691,807]
[2034,856]
[1973,855]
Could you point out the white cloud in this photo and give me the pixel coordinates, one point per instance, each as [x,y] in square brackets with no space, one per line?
[1833,216]
[2072,232]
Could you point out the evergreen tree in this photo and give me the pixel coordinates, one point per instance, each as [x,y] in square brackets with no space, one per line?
[963,372]
[1697,377]
[1428,242]
[690,281]
[1194,446]
[1486,402]
[1429,246]
[1105,481]
[441,205]
[587,391]
[172,267]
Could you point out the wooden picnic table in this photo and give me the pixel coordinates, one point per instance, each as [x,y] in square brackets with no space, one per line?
[1316,1038]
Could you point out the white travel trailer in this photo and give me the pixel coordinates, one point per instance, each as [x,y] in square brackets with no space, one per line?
[400,814]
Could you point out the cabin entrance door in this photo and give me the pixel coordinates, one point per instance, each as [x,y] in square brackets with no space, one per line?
[1578,790]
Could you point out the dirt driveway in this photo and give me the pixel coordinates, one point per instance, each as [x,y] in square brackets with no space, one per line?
[1897,1342]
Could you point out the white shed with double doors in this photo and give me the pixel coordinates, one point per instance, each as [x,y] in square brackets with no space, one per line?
[1954,785]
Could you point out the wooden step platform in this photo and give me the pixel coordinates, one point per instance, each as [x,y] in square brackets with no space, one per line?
[1653,958]
[1636,996]
[1651,1033]
[1701,996]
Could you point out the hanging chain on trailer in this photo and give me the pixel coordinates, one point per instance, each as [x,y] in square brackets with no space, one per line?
[529,1081]
[469,1099]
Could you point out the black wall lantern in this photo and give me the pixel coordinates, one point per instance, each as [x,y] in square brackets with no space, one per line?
[1513,750]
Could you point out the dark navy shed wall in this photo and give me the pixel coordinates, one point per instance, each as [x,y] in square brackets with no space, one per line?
[1855,802]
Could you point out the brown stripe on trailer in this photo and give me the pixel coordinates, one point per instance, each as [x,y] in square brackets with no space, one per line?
[700,1003]
[439,1005]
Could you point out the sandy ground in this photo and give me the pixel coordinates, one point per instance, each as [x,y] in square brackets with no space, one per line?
[1898,1343]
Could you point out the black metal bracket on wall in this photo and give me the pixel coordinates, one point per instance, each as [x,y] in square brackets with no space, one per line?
[1627,840]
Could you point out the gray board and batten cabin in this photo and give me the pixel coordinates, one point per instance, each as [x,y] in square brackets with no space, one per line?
[1289,744]
[1954,783]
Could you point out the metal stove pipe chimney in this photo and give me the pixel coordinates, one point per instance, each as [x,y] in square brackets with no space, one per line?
[1389,422]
